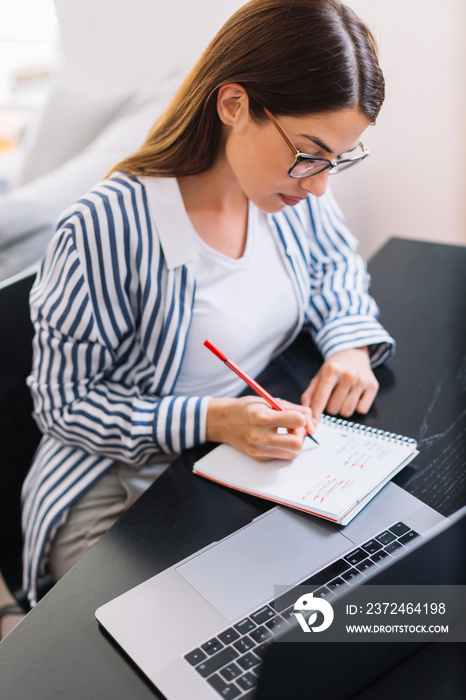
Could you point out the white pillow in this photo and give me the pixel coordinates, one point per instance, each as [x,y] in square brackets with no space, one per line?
[29,214]
[74,114]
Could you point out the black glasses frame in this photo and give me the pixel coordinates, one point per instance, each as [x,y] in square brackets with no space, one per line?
[333,166]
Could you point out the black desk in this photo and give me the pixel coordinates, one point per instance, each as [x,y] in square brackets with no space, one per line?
[59,650]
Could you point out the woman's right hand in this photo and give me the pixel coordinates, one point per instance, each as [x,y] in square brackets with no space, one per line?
[249,424]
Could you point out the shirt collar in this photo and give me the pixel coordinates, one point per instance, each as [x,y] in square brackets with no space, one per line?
[169,219]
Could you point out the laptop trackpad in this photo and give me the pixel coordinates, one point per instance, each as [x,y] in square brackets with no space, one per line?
[280,548]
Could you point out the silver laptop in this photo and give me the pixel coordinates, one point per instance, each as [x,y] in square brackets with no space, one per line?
[198,629]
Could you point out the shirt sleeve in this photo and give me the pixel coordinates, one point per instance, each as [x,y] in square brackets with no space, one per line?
[341,312]
[91,381]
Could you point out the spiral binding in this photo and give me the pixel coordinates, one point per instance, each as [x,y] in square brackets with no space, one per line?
[376,432]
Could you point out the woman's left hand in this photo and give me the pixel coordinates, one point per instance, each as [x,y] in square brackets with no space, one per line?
[344,384]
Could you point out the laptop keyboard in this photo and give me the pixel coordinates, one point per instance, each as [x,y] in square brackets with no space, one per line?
[230,661]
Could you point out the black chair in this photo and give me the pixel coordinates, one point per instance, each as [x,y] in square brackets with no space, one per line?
[19,435]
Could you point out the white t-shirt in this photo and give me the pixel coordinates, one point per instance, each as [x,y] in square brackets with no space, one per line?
[246,306]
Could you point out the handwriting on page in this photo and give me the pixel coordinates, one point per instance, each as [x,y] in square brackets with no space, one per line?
[353,459]
[326,487]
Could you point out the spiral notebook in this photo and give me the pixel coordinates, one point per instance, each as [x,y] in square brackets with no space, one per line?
[333,480]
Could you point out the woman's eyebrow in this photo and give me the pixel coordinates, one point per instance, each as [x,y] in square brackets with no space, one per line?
[318,142]
[315,140]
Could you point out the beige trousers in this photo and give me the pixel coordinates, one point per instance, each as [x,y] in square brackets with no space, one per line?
[92,515]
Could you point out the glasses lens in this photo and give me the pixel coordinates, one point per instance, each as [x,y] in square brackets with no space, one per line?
[305,167]
[348,159]
[346,164]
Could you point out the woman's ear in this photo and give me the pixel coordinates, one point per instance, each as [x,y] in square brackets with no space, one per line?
[232,104]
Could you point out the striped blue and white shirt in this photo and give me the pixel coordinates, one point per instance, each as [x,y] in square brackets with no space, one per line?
[112,306]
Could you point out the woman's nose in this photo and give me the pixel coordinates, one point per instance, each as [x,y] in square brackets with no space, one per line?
[315,184]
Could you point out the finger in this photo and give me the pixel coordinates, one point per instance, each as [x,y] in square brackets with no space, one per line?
[306,400]
[291,419]
[265,421]
[367,398]
[348,403]
[304,410]
[306,396]
[278,446]
[345,395]
[278,434]
[359,397]
[293,406]
[323,390]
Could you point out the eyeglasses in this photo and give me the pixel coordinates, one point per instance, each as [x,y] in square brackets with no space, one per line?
[305,165]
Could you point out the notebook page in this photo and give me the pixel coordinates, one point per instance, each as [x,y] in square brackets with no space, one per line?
[327,478]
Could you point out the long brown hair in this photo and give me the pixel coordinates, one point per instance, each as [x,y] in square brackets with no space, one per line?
[292,56]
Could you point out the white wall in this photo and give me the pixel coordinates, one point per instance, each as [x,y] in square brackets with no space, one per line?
[121,42]
[413,184]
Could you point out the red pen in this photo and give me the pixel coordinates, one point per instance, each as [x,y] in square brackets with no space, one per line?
[246,378]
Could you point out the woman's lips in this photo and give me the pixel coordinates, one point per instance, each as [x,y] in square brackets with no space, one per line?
[290,201]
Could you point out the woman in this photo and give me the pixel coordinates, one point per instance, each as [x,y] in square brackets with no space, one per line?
[220,226]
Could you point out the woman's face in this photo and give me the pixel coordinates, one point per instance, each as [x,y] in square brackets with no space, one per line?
[260,158]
